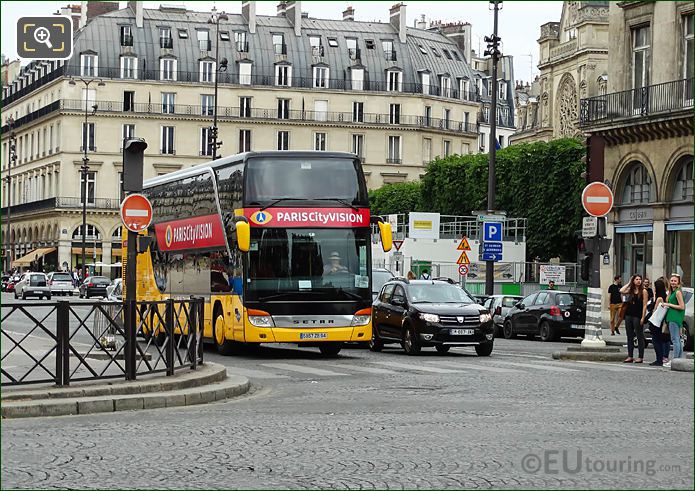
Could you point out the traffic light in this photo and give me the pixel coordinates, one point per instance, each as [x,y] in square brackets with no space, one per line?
[586,266]
[492,46]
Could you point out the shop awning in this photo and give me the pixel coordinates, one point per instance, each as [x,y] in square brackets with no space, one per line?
[34,255]
[629,229]
[677,226]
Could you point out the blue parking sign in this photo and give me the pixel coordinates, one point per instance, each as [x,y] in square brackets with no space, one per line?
[492,232]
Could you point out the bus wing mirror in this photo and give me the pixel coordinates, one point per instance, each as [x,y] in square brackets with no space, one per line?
[144,242]
[386,236]
[243,236]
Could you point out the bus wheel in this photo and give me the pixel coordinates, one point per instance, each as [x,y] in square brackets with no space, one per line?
[224,346]
[330,349]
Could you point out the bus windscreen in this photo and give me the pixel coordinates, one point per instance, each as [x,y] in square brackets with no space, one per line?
[293,178]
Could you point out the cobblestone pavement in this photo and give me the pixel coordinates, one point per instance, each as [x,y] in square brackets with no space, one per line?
[384,420]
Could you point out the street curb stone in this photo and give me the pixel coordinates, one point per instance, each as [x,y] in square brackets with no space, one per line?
[588,356]
[593,350]
[682,365]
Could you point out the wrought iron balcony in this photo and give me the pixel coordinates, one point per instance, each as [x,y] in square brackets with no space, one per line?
[637,103]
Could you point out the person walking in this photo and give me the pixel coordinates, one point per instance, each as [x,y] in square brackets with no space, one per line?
[635,317]
[661,345]
[615,304]
[675,316]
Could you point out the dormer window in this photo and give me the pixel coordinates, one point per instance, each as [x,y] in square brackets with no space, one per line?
[207,71]
[435,52]
[242,43]
[129,67]
[456,55]
[204,40]
[279,45]
[89,66]
[333,42]
[321,74]
[126,36]
[447,54]
[245,73]
[183,33]
[352,48]
[389,52]
[445,84]
[316,46]
[422,49]
[357,76]
[502,89]
[369,43]
[425,81]
[167,69]
[224,36]
[165,40]
[283,75]
[465,88]
[394,81]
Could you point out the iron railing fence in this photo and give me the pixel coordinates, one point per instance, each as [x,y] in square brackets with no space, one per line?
[62,342]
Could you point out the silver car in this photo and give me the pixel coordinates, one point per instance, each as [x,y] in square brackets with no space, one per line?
[32,285]
[499,306]
[60,283]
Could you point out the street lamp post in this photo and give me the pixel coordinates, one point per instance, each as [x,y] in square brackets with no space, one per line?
[494,52]
[220,66]
[84,169]
[13,161]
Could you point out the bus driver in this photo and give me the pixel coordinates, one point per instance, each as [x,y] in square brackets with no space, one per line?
[334,266]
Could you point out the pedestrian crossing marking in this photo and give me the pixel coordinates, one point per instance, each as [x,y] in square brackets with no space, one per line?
[475,367]
[251,373]
[405,366]
[375,370]
[303,369]
[549,368]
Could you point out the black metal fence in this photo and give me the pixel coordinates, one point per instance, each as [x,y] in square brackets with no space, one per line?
[62,342]
[637,103]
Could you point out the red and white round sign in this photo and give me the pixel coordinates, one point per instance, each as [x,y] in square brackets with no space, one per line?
[597,199]
[136,212]
[463,270]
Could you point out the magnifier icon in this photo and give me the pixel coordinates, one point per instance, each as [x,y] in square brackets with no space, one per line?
[43,36]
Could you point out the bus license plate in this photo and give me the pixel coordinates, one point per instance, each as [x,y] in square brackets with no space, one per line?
[461,332]
[313,335]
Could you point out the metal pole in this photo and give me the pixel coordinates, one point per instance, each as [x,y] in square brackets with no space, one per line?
[12,161]
[217,73]
[492,181]
[84,170]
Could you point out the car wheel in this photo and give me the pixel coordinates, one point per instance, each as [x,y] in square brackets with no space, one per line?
[484,349]
[70,294]
[547,332]
[24,296]
[375,344]
[508,330]
[688,341]
[330,349]
[442,348]
[15,295]
[48,297]
[411,345]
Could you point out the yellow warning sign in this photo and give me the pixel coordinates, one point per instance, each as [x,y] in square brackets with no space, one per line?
[463,258]
[464,245]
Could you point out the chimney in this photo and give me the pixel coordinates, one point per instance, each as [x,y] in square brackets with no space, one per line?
[397,18]
[136,7]
[349,14]
[248,12]
[422,23]
[83,14]
[294,15]
[282,9]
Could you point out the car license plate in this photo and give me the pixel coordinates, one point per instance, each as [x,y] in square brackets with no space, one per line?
[577,326]
[313,335]
[461,332]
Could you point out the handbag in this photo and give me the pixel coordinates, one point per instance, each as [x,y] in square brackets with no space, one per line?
[658,315]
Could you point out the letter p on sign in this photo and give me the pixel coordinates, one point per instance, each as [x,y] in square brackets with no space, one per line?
[492,232]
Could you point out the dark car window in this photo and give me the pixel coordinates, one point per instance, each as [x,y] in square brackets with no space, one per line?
[386,294]
[438,293]
[510,301]
[98,280]
[399,293]
[37,280]
[61,277]
[542,299]
[529,299]
[570,299]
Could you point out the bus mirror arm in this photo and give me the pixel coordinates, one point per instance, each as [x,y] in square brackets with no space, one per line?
[239,225]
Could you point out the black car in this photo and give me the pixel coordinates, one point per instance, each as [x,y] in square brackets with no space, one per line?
[420,313]
[549,314]
[94,286]
[379,277]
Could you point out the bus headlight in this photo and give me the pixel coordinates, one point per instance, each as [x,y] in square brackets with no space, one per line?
[361,317]
[260,318]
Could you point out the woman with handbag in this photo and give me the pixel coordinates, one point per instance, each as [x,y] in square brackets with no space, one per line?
[675,316]
[656,319]
[635,317]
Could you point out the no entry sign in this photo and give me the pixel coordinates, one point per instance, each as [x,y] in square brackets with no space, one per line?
[597,199]
[136,212]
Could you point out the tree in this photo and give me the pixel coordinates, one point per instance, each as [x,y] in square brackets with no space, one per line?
[395,198]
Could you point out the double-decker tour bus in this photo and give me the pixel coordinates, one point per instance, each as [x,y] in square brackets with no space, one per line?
[278,243]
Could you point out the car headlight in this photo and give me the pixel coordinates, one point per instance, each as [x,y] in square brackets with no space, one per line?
[485,317]
[429,317]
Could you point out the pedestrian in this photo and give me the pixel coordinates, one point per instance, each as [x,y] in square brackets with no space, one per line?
[425,275]
[615,304]
[675,315]
[75,277]
[648,286]
[634,317]
[411,275]
[661,345]
[551,285]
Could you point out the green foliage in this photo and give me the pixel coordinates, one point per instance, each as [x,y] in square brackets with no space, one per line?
[538,181]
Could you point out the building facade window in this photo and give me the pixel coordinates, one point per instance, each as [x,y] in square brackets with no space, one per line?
[426,150]
[245,107]
[320,110]
[640,56]
[167,141]
[321,77]
[89,66]
[357,112]
[167,69]
[129,67]
[389,53]
[283,108]
[637,187]
[242,44]
[245,73]
[283,75]
[165,39]
[425,81]
[91,181]
[688,53]
[205,143]
[351,44]
[394,114]
[244,141]
[128,100]
[358,145]
[428,116]
[320,141]
[446,147]
[445,84]
[357,78]
[279,44]
[393,81]
[207,71]
[126,36]
[502,89]
[394,156]
[683,188]
[204,40]
[316,46]
[168,102]
[446,119]
[88,136]
[207,104]
[283,140]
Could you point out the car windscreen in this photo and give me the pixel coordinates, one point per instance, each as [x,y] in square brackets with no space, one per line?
[568,299]
[438,293]
[510,301]
[100,280]
[61,277]
[379,278]
[37,280]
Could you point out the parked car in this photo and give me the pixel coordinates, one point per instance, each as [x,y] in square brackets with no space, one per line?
[94,286]
[422,313]
[549,314]
[114,291]
[32,285]
[379,277]
[60,283]
[499,306]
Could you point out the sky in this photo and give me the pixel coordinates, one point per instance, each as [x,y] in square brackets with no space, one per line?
[519,21]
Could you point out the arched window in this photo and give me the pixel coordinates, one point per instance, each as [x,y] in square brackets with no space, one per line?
[637,187]
[92,233]
[117,235]
[683,188]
